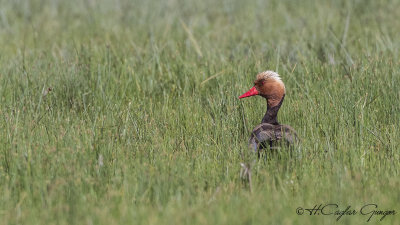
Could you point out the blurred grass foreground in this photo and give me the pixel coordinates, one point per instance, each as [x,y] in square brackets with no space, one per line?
[126,112]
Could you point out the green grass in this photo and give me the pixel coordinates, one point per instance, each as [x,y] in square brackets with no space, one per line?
[134,133]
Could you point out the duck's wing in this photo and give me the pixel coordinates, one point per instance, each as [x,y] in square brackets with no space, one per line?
[286,133]
[263,133]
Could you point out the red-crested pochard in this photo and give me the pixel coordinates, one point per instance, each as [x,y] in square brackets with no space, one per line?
[270,133]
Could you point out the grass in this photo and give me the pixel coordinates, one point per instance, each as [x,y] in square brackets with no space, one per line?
[143,124]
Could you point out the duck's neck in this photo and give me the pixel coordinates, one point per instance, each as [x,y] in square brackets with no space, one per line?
[272,113]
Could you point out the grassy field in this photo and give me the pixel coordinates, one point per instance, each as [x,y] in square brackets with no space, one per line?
[143,124]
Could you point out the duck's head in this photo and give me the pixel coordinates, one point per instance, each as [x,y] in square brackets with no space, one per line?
[269,85]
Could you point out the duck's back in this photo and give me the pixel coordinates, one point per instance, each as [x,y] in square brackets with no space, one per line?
[266,134]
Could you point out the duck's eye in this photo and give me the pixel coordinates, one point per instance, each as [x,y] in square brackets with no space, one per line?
[259,83]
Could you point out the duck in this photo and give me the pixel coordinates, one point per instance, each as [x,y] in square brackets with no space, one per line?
[270,133]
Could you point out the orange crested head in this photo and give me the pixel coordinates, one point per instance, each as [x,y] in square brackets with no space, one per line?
[269,85]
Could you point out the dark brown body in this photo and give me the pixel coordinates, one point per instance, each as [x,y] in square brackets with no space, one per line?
[269,135]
